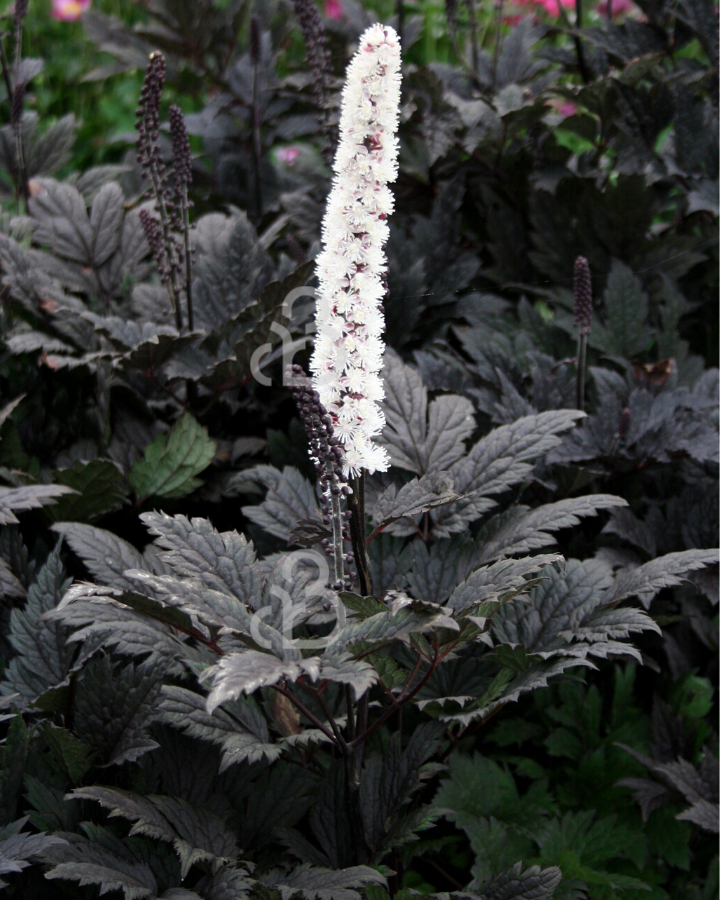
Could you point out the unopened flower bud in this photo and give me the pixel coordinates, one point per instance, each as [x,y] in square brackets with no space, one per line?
[255,41]
[182,162]
[582,290]
[624,423]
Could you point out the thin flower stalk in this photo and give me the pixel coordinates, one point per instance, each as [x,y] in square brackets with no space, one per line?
[256,59]
[159,237]
[582,290]
[182,172]
[348,353]
[318,56]
[326,455]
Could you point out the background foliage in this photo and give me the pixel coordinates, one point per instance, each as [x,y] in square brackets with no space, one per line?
[544,578]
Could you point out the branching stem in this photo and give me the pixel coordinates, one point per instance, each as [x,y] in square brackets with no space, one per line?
[306,712]
[340,740]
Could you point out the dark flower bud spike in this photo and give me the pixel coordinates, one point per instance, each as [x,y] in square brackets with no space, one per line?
[582,292]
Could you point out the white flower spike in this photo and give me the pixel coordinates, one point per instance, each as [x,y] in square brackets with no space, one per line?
[348,353]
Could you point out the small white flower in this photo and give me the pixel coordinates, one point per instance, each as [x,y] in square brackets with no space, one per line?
[348,349]
[356,380]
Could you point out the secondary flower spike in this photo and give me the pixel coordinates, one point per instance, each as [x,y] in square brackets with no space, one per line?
[349,317]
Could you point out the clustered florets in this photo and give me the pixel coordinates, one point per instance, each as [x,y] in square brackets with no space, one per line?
[148,114]
[327,456]
[182,160]
[582,290]
[316,46]
[348,347]
[154,237]
[255,41]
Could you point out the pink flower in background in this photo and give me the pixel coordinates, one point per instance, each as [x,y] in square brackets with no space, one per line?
[567,109]
[288,155]
[69,10]
[615,7]
[564,108]
[334,9]
[551,7]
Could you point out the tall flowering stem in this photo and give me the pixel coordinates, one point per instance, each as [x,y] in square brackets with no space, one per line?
[326,455]
[318,56]
[582,291]
[169,188]
[182,170]
[349,348]
[163,245]
[348,353]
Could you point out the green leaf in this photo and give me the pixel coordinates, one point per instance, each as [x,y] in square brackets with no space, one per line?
[478,789]
[13,767]
[171,463]
[669,837]
[389,672]
[414,617]
[74,756]
[363,606]
[100,490]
